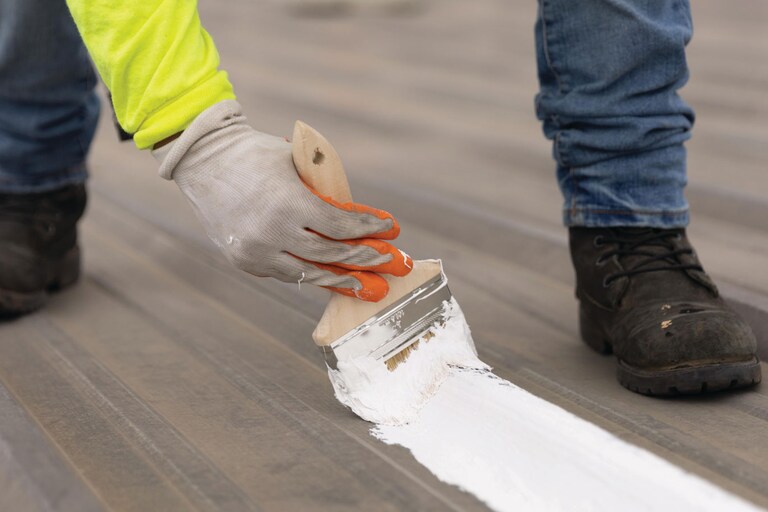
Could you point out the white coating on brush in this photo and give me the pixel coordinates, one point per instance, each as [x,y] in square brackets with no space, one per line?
[395,397]
[517,452]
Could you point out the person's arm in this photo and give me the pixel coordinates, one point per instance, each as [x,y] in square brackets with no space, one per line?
[162,70]
[156,59]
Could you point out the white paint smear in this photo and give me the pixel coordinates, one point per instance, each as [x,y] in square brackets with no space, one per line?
[378,395]
[517,452]
[511,449]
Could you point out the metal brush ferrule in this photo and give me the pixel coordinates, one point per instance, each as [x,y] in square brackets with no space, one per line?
[394,328]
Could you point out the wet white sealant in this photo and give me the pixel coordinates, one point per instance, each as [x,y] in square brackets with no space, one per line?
[516,452]
[380,396]
[511,449]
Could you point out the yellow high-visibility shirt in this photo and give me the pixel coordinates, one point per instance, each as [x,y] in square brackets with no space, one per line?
[156,59]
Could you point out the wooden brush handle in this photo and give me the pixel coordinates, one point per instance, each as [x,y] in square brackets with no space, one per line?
[320,167]
[318,164]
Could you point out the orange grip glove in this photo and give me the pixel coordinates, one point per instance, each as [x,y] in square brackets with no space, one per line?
[244,187]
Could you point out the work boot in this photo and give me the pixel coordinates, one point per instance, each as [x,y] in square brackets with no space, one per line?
[38,246]
[645,297]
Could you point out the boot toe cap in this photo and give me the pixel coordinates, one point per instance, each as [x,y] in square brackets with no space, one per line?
[688,336]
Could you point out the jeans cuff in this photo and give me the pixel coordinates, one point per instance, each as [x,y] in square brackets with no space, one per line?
[19,184]
[596,218]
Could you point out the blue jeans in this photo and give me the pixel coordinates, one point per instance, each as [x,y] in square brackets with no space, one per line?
[48,107]
[609,72]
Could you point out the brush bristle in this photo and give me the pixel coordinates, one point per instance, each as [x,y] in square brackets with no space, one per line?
[402,356]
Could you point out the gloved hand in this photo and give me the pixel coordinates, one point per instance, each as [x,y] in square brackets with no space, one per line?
[245,189]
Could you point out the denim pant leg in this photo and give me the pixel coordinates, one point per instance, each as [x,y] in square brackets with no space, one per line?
[609,72]
[48,107]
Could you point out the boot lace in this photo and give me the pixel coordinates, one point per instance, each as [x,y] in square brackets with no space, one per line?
[654,244]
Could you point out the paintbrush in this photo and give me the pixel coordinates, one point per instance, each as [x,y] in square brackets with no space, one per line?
[360,337]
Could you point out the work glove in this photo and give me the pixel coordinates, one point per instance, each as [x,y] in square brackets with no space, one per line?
[245,190]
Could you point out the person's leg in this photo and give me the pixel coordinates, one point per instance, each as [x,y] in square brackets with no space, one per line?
[609,72]
[48,107]
[48,115]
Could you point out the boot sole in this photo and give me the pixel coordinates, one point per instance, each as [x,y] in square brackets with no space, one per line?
[692,380]
[62,274]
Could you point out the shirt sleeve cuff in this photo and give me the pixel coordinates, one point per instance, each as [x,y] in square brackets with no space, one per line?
[178,114]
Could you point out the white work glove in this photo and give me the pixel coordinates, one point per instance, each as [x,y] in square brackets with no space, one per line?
[245,190]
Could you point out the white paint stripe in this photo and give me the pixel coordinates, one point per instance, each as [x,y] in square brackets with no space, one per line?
[517,452]
[513,450]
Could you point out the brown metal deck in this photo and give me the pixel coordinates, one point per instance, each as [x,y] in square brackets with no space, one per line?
[168,381]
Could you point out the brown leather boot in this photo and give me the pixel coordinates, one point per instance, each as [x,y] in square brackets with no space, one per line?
[38,246]
[645,297]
